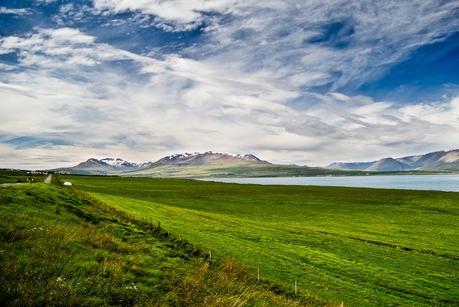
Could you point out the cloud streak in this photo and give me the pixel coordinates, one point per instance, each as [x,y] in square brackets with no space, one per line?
[5,10]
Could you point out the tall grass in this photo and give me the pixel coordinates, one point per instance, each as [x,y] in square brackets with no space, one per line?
[60,248]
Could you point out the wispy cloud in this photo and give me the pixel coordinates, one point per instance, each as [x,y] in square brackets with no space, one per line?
[5,10]
[173,15]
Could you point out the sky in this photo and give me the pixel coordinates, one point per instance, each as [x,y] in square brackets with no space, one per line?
[305,82]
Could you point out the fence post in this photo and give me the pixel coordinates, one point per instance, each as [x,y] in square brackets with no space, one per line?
[210,254]
[258,273]
[296,287]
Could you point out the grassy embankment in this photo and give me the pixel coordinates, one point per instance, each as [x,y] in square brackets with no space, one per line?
[59,247]
[360,246]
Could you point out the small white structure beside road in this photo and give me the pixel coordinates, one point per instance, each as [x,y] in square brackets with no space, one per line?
[68,184]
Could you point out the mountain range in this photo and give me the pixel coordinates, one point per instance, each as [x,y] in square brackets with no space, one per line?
[211,164]
[438,160]
[104,166]
[207,164]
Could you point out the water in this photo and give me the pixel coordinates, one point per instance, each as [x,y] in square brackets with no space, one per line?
[410,182]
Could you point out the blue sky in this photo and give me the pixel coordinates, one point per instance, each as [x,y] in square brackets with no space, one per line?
[302,82]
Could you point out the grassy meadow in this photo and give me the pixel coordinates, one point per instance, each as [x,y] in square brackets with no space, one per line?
[59,247]
[242,169]
[357,246]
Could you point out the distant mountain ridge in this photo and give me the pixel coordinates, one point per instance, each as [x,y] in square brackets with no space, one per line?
[107,166]
[197,165]
[438,160]
[214,164]
[103,166]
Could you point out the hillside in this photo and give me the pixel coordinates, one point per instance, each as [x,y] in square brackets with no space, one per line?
[439,160]
[59,247]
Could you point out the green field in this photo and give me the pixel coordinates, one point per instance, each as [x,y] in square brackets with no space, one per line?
[242,169]
[357,246]
[60,248]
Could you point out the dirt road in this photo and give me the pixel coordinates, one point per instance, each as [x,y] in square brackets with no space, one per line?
[48,179]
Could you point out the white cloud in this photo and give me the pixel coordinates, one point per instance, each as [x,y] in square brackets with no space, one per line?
[57,48]
[5,10]
[180,11]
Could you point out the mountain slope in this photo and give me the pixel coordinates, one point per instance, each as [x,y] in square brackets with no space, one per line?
[438,160]
[208,158]
[350,165]
[387,165]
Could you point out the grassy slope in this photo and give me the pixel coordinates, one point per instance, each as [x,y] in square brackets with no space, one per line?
[61,248]
[360,246]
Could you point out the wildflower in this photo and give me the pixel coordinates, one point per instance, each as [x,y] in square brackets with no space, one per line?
[133,286]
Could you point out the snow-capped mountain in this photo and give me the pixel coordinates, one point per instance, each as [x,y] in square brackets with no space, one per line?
[117,165]
[103,166]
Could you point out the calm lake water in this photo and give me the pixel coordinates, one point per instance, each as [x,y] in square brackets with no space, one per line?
[410,182]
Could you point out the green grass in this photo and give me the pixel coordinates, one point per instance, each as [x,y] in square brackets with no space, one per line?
[243,169]
[60,247]
[360,246]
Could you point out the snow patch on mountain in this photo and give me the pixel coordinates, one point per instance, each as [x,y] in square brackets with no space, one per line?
[117,162]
